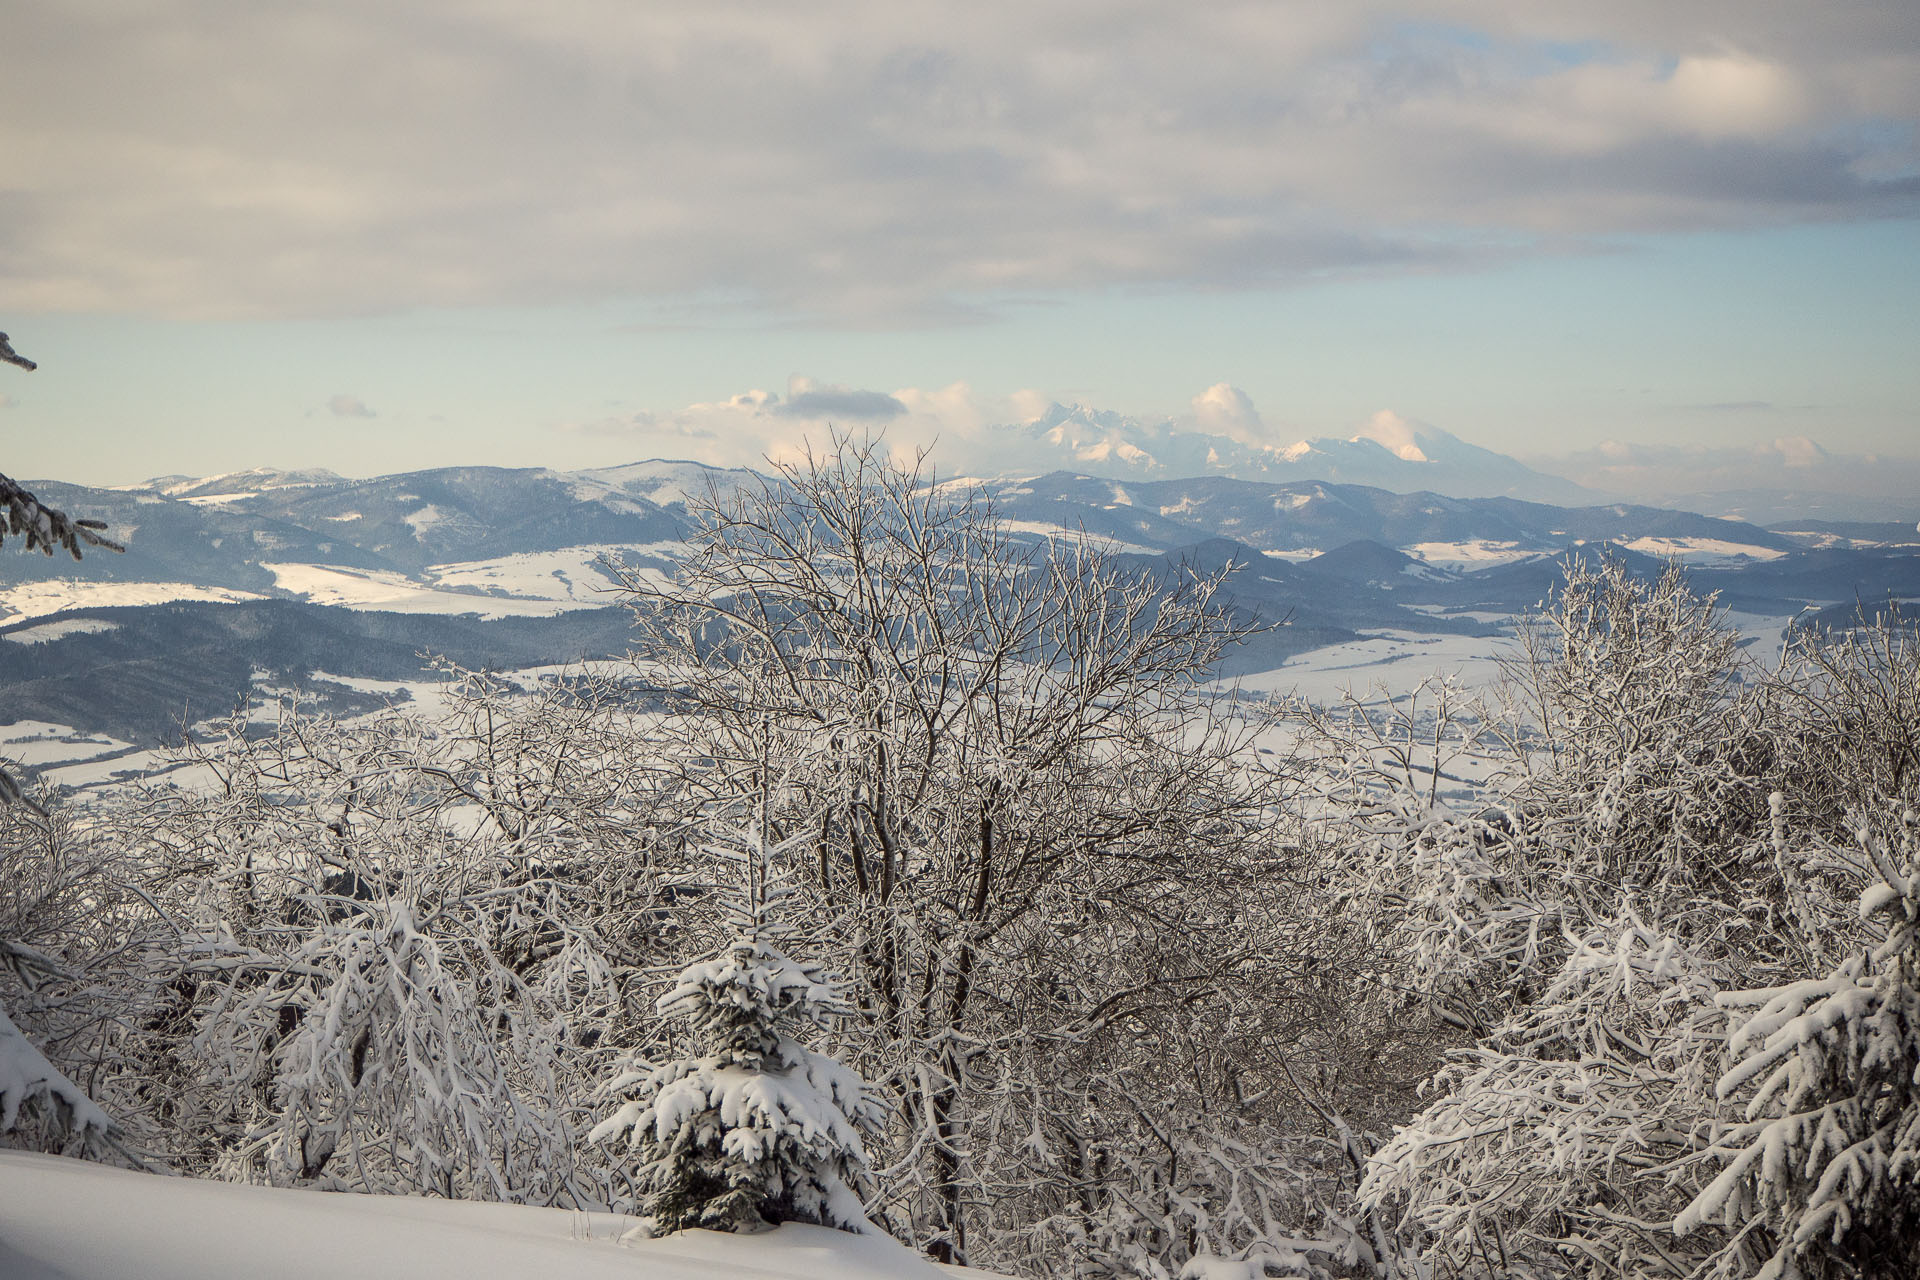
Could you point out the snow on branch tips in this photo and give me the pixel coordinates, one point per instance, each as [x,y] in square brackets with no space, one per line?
[1828,1156]
[757,1130]
[29,1083]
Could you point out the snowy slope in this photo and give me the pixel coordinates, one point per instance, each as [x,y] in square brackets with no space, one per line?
[69,1220]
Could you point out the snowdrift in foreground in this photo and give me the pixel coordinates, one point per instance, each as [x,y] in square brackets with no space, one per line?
[66,1219]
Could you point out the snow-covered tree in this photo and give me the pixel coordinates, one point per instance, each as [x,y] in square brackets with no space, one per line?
[1821,1173]
[757,1129]
[400,962]
[1651,879]
[992,740]
[29,1083]
[27,1079]
[1550,1150]
[1573,914]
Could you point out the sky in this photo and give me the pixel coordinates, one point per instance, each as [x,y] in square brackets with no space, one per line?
[373,236]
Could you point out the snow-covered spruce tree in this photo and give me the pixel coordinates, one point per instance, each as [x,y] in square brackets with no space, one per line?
[1821,1180]
[757,1130]
[41,527]
[80,956]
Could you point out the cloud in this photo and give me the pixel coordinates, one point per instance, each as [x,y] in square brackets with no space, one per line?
[746,428]
[1029,404]
[894,166]
[1225,410]
[1792,463]
[840,403]
[346,406]
[1394,433]
[7,401]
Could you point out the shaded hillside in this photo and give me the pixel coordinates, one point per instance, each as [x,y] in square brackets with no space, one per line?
[138,673]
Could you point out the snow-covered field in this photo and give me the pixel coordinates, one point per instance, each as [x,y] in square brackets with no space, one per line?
[1477,554]
[1060,532]
[1397,660]
[66,1219]
[48,632]
[527,584]
[1702,551]
[43,745]
[39,599]
[396,593]
[571,578]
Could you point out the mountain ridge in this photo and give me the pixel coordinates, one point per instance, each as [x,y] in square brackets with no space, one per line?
[1389,452]
[245,579]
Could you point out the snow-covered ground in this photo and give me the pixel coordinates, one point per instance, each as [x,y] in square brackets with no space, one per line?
[57,595]
[571,577]
[1479,553]
[396,593]
[1061,532]
[64,1219]
[1398,660]
[1702,551]
[47,632]
[42,745]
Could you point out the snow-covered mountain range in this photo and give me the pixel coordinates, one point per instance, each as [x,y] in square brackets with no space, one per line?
[503,542]
[309,581]
[1389,452]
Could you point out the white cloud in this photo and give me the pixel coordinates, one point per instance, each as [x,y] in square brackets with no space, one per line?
[1028,404]
[810,400]
[346,406]
[869,163]
[1395,433]
[1788,463]
[1226,410]
[753,425]
[1736,97]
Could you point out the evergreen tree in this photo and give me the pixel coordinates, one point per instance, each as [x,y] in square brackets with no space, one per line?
[757,1130]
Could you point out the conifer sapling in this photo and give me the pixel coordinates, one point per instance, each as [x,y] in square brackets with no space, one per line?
[757,1130]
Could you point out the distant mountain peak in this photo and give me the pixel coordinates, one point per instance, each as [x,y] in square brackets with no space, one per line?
[1389,451]
[241,483]
[1401,438]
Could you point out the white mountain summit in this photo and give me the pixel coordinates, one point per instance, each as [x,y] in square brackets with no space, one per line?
[1389,452]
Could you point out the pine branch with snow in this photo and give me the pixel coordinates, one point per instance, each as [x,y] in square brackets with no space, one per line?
[29,1082]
